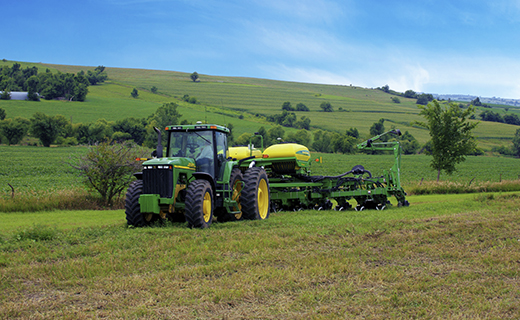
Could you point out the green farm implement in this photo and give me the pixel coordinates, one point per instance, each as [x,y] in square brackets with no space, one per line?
[200,179]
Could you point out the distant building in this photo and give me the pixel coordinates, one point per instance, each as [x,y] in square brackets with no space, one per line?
[18,95]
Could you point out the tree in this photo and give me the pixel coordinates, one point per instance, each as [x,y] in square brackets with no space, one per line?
[5,95]
[164,116]
[424,98]
[107,168]
[47,128]
[14,130]
[378,128]
[153,89]
[410,94]
[353,132]
[135,93]
[450,132]
[326,107]
[273,134]
[194,76]
[395,100]
[516,143]
[135,127]
[409,145]
[287,106]
[301,107]
[302,137]
[322,141]
[303,123]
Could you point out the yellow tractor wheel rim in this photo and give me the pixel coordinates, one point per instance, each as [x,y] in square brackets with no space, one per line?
[206,207]
[263,199]
[237,188]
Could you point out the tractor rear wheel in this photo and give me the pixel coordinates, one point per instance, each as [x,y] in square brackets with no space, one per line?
[134,217]
[199,204]
[255,195]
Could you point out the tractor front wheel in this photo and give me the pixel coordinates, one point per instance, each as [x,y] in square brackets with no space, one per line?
[235,185]
[255,195]
[134,217]
[199,204]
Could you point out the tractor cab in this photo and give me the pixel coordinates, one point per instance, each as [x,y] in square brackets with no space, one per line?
[205,144]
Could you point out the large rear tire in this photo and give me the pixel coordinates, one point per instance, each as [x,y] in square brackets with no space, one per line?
[134,217]
[256,196]
[199,204]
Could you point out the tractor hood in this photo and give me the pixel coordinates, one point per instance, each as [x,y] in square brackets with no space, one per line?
[175,162]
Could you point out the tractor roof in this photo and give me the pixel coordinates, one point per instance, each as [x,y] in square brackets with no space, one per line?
[197,127]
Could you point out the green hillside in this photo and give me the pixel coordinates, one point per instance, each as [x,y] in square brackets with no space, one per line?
[223,99]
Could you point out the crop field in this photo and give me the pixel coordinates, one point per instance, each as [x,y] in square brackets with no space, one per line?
[44,170]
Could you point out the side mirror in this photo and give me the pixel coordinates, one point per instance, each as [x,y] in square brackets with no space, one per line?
[159,150]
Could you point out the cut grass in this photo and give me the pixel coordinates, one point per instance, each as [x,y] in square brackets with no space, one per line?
[455,258]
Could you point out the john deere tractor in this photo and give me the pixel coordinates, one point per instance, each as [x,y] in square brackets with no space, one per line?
[196,181]
[200,179]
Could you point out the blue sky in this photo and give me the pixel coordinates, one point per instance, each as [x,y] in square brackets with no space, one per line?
[438,46]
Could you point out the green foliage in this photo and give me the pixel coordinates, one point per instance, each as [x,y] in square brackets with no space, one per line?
[378,128]
[134,93]
[107,168]
[97,76]
[164,116]
[301,107]
[47,128]
[5,95]
[353,132]
[409,145]
[98,131]
[302,137]
[153,89]
[326,107]
[135,128]
[194,76]
[2,114]
[451,134]
[50,85]
[322,141]
[273,134]
[395,100]
[14,130]
[410,94]
[424,98]
[287,106]
[516,143]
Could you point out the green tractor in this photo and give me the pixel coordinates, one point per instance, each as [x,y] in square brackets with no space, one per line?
[195,181]
[200,179]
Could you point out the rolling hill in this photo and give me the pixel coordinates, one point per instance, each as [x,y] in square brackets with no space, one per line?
[245,102]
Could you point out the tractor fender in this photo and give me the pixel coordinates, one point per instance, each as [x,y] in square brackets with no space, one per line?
[138,175]
[205,176]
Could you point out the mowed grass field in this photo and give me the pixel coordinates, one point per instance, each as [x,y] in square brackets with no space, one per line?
[449,256]
[223,99]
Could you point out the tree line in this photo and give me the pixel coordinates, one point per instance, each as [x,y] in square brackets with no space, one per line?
[61,131]
[73,87]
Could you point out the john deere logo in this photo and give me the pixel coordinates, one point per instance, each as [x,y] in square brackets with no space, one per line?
[304,152]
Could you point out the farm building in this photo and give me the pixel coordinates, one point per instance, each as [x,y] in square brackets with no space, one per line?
[18,95]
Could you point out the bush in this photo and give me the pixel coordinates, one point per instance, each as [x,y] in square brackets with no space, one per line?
[107,168]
